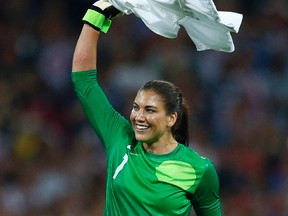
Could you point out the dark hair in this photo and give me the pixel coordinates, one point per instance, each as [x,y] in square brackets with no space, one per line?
[173,102]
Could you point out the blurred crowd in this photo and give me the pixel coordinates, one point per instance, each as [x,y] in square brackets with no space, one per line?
[52,163]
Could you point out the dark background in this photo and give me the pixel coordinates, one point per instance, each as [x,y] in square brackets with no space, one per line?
[51,162]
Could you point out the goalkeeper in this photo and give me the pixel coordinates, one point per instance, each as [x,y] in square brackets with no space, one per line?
[150,168]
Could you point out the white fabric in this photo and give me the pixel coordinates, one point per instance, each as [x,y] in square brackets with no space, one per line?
[207,27]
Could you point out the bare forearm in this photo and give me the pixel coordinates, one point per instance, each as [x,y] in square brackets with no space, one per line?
[85,54]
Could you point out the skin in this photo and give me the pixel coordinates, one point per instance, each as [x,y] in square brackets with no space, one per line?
[85,54]
[151,124]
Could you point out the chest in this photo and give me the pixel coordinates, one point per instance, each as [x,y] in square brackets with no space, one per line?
[154,185]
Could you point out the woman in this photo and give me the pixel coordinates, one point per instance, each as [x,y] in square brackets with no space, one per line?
[150,168]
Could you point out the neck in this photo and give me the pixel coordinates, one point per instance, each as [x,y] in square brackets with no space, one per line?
[157,148]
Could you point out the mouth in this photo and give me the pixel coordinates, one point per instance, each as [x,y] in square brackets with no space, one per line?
[141,127]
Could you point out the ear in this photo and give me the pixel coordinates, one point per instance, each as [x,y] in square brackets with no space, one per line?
[172,119]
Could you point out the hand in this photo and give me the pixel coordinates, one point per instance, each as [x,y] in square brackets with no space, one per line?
[106,8]
[99,15]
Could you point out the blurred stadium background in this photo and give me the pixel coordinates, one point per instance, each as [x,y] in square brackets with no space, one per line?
[52,164]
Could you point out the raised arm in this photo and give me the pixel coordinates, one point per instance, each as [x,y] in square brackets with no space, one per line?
[85,54]
[97,19]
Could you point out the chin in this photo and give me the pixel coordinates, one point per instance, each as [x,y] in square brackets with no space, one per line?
[140,138]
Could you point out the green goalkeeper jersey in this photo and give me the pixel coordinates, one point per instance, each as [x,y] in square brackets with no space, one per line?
[139,182]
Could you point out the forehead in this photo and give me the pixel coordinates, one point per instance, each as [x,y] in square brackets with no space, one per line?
[149,98]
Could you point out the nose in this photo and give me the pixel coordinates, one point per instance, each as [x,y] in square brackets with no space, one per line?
[139,116]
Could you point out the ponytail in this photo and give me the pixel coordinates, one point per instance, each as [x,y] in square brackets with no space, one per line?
[180,129]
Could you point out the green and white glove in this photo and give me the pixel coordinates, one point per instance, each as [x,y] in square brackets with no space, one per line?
[99,15]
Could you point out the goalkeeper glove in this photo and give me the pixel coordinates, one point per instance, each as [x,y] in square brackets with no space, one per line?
[99,15]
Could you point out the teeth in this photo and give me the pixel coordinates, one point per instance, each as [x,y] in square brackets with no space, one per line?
[141,127]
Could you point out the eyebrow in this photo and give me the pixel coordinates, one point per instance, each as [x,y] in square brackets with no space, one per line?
[148,106]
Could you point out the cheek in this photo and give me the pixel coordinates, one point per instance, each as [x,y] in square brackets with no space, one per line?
[154,120]
[132,116]
[160,122]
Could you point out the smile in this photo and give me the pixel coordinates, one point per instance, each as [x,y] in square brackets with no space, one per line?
[141,127]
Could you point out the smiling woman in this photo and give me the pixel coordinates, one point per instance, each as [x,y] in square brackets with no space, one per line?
[174,106]
[150,168]
[157,111]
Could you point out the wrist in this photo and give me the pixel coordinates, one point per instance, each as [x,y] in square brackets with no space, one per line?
[96,20]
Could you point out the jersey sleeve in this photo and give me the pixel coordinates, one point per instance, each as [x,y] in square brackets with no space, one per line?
[206,201]
[108,124]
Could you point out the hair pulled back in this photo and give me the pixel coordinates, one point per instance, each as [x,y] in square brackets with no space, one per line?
[173,102]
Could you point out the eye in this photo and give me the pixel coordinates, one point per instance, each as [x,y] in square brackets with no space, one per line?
[150,110]
[135,107]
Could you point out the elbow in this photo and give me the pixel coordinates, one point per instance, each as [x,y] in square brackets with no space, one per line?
[83,61]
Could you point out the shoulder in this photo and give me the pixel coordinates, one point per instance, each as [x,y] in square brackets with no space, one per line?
[204,167]
[194,158]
